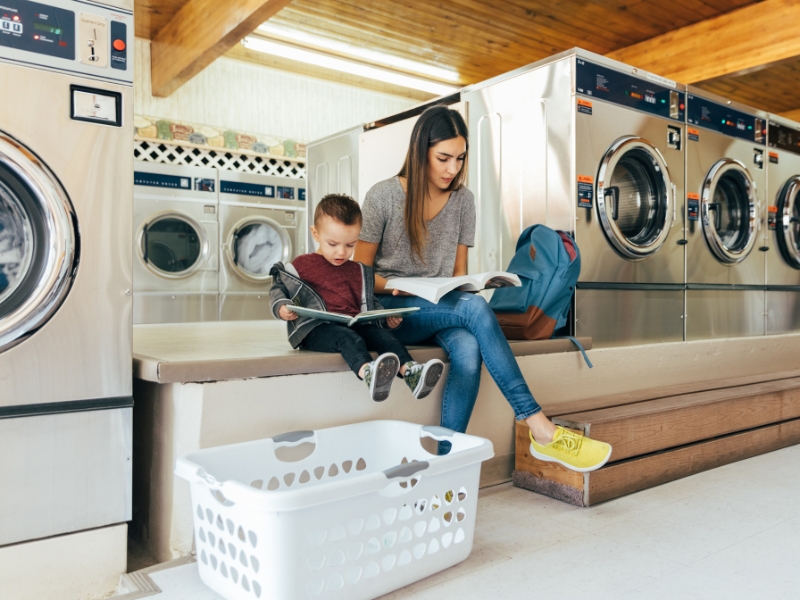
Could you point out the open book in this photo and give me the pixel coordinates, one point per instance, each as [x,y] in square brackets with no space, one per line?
[433,288]
[370,315]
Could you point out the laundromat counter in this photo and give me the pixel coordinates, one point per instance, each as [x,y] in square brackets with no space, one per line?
[223,351]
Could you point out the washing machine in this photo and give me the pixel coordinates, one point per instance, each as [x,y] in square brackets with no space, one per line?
[176,244]
[725,186]
[66,125]
[262,221]
[593,147]
[783,226]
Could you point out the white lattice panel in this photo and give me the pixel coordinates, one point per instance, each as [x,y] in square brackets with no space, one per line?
[225,160]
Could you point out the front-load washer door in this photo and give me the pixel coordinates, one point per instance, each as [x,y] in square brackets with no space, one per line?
[173,245]
[38,243]
[635,198]
[729,211]
[254,245]
[787,228]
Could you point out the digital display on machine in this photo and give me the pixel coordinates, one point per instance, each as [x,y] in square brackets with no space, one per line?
[784,138]
[246,189]
[655,97]
[724,119]
[39,28]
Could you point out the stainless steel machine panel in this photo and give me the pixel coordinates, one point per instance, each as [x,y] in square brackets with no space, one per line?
[616,317]
[782,234]
[177,307]
[244,306]
[83,349]
[64,472]
[726,179]
[714,314]
[783,312]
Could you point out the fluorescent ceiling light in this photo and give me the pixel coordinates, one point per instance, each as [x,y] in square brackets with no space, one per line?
[346,66]
[363,53]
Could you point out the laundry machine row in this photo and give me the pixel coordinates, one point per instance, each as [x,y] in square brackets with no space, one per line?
[205,240]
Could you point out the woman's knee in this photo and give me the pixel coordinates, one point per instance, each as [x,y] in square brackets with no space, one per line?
[464,352]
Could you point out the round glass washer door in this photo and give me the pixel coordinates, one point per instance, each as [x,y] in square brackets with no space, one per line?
[255,244]
[635,198]
[39,243]
[728,211]
[787,228]
[173,245]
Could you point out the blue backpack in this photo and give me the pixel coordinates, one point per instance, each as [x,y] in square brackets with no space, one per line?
[548,263]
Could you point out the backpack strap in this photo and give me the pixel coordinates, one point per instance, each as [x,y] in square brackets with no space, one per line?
[578,344]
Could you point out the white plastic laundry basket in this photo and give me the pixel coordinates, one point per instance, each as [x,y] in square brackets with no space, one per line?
[369,511]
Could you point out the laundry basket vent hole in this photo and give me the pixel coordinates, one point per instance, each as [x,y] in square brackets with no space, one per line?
[373,522]
[209,515]
[460,535]
[448,518]
[337,558]
[257,589]
[388,562]
[405,535]
[434,525]
[317,538]
[319,472]
[221,499]
[354,550]
[462,494]
[333,471]
[245,583]
[461,515]
[405,513]
[202,535]
[372,570]
[224,570]
[373,546]
[389,538]
[347,465]
[337,533]
[234,575]
[232,550]
[253,538]
[405,558]
[315,587]
[220,526]
[414,482]
[353,575]
[419,528]
[254,563]
[305,477]
[243,558]
[288,479]
[419,551]
[355,526]
[389,515]
[212,539]
[433,547]
[420,505]
[203,557]
[200,512]
[448,496]
[230,526]
[335,583]
[221,547]
[361,464]
[435,503]
[258,484]
[447,539]
[240,534]
[274,484]
[213,562]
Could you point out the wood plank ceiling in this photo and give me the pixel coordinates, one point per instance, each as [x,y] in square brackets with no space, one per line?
[479,39]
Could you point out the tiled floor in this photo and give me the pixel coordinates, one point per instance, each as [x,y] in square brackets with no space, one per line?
[730,533]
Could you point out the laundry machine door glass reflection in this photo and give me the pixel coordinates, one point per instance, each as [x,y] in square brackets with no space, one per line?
[257,243]
[729,211]
[173,245]
[787,227]
[635,200]
[38,243]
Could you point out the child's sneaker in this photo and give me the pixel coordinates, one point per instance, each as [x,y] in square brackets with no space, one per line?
[575,452]
[422,378]
[379,375]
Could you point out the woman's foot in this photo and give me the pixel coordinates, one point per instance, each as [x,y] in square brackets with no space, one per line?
[573,451]
[421,378]
[379,375]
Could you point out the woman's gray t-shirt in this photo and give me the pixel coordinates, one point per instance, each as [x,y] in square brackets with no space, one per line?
[384,224]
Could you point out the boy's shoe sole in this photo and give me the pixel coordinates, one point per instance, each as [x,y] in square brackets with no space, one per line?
[386,368]
[546,458]
[431,373]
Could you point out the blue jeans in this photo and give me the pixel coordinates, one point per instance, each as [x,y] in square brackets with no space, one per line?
[465,326]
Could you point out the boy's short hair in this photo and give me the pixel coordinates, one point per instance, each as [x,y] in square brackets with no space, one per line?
[339,207]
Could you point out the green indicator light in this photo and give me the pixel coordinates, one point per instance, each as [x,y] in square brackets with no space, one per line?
[57,32]
[627,92]
[749,126]
[723,121]
[663,101]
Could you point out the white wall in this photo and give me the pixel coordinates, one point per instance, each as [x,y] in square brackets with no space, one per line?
[251,98]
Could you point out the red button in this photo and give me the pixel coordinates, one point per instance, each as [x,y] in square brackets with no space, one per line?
[119,45]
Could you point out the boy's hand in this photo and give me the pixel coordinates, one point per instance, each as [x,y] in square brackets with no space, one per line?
[286,314]
[394,322]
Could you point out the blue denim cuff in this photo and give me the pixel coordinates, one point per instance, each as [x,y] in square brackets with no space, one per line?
[524,416]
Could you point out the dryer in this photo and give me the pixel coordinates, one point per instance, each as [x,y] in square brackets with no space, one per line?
[176,244]
[725,185]
[262,221]
[596,147]
[783,233]
[66,125]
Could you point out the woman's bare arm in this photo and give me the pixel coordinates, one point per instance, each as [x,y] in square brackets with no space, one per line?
[365,254]
[461,260]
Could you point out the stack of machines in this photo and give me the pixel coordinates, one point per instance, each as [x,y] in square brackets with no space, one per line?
[664,188]
[205,241]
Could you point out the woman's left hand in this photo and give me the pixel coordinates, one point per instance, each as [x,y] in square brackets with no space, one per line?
[394,322]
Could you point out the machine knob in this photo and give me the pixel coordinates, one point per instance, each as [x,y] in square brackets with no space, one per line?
[759,158]
[674,137]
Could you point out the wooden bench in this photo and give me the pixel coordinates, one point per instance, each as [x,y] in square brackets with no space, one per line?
[662,435]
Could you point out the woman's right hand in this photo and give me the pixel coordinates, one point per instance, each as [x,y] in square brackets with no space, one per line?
[286,314]
[399,293]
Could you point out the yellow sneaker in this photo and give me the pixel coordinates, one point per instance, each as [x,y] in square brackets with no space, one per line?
[575,452]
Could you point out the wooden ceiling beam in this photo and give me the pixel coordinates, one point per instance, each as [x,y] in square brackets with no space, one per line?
[794,115]
[199,33]
[738,42]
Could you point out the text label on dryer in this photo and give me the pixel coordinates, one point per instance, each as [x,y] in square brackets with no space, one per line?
[585,191]
[693,206]
[159,180]
[694,134]
[584,106]
[772,217]
[246,189]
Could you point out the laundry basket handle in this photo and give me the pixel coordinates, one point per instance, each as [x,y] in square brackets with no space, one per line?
[440,434]
[292,438]
[406,470]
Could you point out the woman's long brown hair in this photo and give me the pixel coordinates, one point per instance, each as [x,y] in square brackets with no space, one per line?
[436,124]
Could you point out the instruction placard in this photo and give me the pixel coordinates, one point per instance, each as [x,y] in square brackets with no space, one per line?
[773,158]
[772,218]
[693,207]
[585,191]
[694,134]
[584,106]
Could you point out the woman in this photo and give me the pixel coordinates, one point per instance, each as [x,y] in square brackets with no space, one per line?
[421,224]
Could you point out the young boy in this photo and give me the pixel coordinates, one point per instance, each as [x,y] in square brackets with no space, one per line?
[328,280]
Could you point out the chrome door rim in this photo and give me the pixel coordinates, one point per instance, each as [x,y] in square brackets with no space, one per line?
[615,152]
[205,245]
[786,201]
[712,238]
[241,223]
[59,267]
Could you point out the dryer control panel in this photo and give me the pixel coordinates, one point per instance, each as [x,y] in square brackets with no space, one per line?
[75,37]
[651,94]
[783,138]
[725,119]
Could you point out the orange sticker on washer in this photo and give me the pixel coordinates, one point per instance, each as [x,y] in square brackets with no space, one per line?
[772,209]
[693,196]
[585,179]
[584,106]
[694,134]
